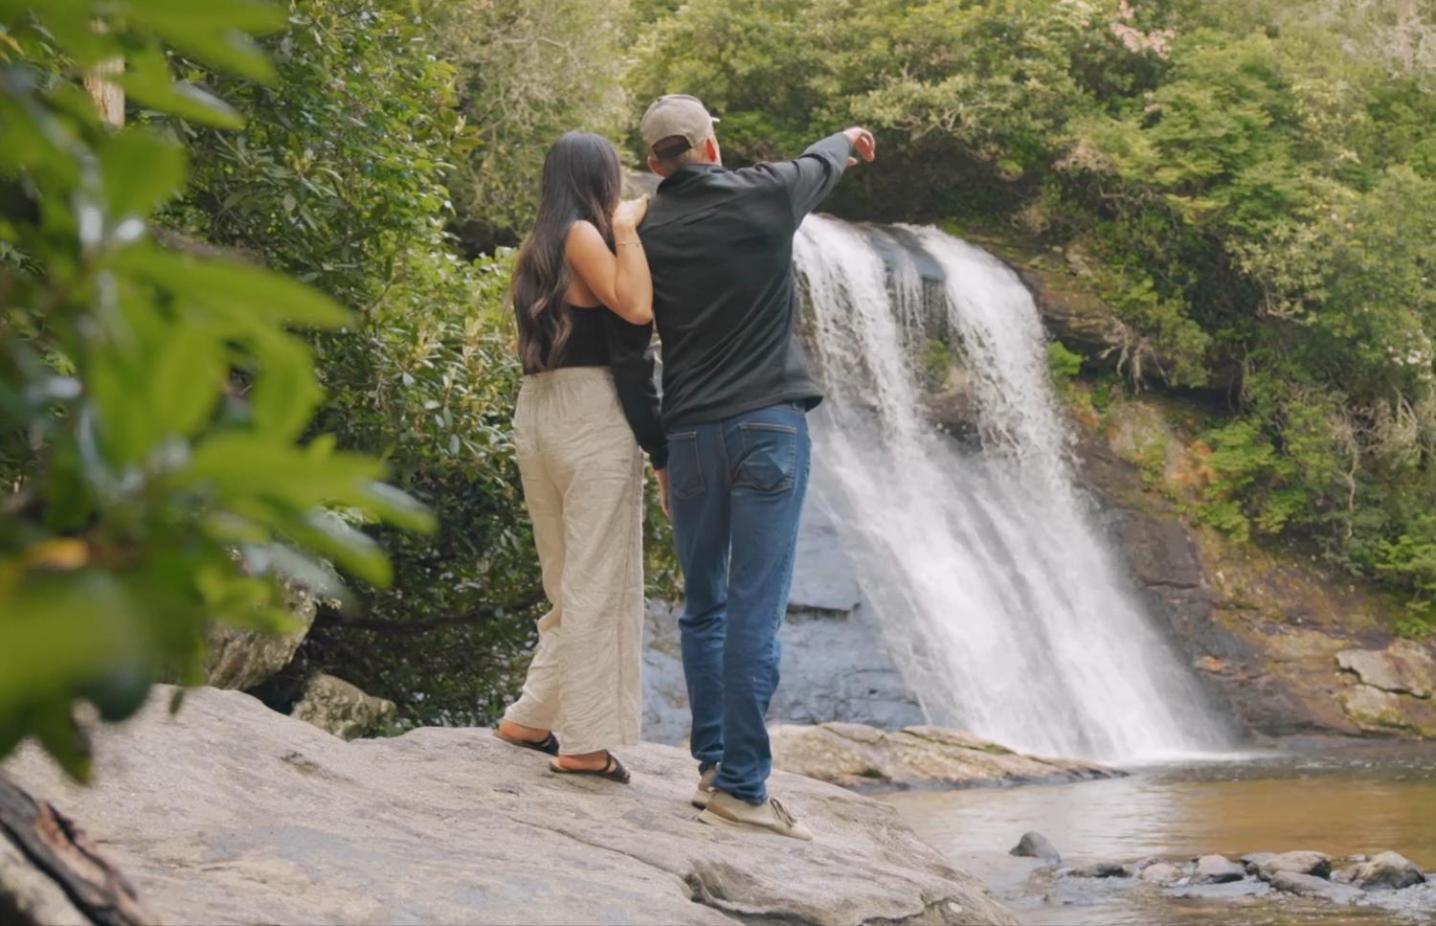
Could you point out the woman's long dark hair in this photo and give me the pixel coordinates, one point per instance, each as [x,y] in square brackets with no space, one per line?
[581,181]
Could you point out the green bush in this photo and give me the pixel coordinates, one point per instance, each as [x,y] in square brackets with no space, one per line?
[153,404]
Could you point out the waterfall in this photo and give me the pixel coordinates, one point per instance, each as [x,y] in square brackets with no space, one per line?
[995,591]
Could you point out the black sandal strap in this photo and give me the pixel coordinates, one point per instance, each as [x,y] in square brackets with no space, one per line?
[547,745]
[612,770]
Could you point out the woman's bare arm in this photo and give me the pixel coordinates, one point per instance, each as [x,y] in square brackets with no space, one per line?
[621,282]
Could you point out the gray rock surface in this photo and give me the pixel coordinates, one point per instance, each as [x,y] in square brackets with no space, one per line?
[338,707]
[1312,886]
[1387,871]
[243,659]
[1217,869]
[1404,667]
[855,755]
[230,813]
[1035,845]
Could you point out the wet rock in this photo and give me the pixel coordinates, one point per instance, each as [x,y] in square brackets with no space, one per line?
[856,755]
[1217,869]
[1099,870]
[1404,667]
[1161,873]
[1387,871]
[229,812]
[1314,864]
[1312,886]
[334,705]
[1035,845]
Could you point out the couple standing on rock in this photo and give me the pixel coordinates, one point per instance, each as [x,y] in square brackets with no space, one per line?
[710,260]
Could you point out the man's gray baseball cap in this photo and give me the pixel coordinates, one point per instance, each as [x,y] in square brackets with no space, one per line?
[675,116]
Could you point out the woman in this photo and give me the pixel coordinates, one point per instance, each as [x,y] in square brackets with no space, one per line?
[584,303]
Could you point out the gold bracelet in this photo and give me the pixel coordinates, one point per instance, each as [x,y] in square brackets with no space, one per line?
[636,241]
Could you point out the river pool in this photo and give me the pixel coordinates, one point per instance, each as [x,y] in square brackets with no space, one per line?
[1338,797]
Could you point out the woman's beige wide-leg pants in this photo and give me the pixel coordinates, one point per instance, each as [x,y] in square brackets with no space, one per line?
[583,484]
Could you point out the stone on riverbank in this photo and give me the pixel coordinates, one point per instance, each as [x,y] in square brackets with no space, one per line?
[856,756]
[1035,845]
[1217,869]
[1099,870]
[1388,871]
[1161,873]
[230,813]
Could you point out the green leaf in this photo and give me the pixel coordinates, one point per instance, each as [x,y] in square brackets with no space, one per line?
[353,551]
[186,379]
[148,81]
[398,508]
[286,394]
[141,170]
[246,298]
[215,31]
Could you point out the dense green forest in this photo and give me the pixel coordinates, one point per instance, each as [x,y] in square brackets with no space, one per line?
[1249,184]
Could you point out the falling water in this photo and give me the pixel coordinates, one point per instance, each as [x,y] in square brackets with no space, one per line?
[997,596]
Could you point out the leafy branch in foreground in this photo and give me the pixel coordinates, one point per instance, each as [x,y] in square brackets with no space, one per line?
[152,404]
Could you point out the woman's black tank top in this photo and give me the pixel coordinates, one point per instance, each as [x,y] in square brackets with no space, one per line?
[587,344]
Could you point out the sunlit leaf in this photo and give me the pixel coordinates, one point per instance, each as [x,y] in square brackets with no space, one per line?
[141,171]
[245,297]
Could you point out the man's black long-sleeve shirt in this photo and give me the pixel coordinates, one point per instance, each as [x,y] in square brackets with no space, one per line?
[720,246]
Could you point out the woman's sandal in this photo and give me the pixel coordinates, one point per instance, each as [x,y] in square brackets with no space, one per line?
[548,744]
[612,770]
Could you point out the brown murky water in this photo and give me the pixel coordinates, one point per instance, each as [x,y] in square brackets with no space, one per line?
[1335,797]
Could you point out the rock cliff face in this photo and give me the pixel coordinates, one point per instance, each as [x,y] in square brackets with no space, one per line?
[231,813]
[1288,646]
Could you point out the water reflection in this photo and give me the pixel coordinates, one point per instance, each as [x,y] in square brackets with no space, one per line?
[1337,798]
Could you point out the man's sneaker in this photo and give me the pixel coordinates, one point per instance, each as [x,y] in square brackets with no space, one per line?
[705,787]
[726,810]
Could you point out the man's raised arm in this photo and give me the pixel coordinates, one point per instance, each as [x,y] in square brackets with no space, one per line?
[810,176]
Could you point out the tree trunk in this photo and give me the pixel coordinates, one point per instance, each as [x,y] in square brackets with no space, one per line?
[53,845]
[109,99]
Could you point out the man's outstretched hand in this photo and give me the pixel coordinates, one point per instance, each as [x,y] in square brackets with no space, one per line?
[864,145]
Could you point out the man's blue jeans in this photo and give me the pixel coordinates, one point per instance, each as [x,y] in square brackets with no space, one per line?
[737,489]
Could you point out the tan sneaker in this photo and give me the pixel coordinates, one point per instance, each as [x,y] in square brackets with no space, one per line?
[705,788]
[726,810]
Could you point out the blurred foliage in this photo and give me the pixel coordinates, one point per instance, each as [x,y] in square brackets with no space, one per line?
[338,178]
[153,405]
[1251,184]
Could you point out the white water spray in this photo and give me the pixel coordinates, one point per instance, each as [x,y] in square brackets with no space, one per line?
[996,594]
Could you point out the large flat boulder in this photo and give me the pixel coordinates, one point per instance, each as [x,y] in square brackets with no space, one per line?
[855,755]
[230,813]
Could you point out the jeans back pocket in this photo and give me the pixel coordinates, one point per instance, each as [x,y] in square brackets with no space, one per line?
[770,457]
[685,469]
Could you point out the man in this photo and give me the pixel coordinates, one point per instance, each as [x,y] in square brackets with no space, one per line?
[736,391]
